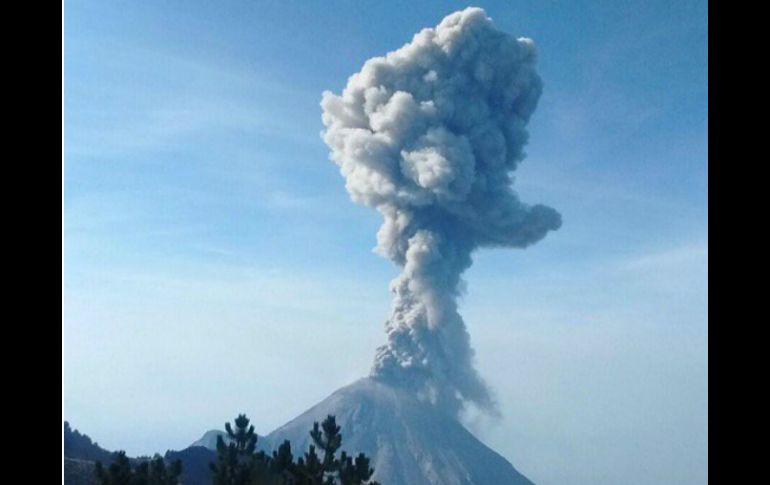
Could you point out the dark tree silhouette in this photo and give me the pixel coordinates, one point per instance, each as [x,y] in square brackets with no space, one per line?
[239,463]
[118,473]
[78,445]
[330,470]
[147,472]
[160,474]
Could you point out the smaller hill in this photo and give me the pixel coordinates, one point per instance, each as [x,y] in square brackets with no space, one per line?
[80,446]
[209,439]
[195,464]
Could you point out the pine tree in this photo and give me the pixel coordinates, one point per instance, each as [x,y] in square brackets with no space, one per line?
[237,461]
[154,472]
[282,469]
[159,474]
[355,472]
[328,470]
[118,473]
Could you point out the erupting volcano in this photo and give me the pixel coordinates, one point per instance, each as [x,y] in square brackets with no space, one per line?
[429,136]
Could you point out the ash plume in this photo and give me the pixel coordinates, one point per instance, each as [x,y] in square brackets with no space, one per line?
[429,135]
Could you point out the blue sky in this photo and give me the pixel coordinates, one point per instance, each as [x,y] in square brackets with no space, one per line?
[212,256]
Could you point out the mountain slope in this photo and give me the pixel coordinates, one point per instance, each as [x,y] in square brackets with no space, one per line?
[80,446]
[409,442]
[78,472]
[209,439]
[81,455]
[195,464]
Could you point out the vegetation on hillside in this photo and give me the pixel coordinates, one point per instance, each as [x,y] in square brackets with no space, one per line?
[80,446]
[146,472]
[238,462]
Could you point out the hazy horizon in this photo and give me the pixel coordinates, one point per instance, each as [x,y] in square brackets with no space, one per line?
[212,257]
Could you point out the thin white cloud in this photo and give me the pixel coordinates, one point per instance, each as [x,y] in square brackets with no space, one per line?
[168,101]
[690,255]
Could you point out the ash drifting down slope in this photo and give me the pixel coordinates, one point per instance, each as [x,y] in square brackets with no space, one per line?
[409,441]
[430,135]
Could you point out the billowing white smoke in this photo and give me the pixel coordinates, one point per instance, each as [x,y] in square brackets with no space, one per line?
[429,135]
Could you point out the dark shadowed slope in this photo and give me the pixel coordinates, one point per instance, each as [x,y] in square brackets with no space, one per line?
[81,454]
[80,446]
[409,442]
[195,464]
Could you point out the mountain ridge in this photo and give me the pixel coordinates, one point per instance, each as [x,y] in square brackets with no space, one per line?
[409,441]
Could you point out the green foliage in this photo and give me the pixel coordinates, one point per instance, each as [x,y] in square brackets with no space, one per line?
[239,464]
[146,472]
[237,461]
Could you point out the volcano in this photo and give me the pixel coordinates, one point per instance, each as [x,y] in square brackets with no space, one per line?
[409,441]
[429,135]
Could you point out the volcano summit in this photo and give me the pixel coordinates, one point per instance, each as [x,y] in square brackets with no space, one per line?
[429,135]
